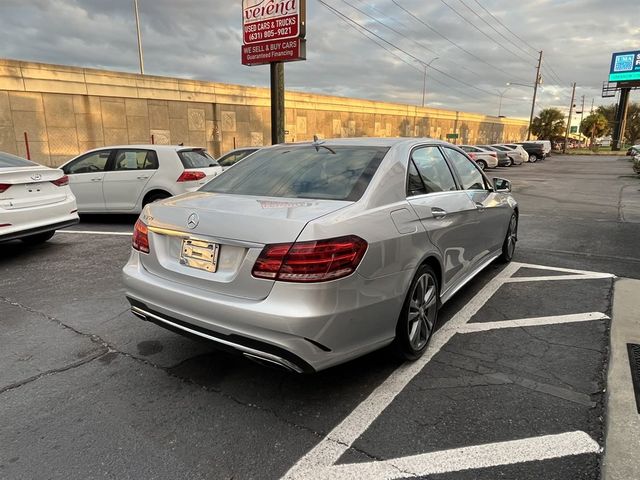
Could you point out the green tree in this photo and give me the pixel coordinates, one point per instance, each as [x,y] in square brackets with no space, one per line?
[595,125]
[632,131]
[609,112]
[549,124]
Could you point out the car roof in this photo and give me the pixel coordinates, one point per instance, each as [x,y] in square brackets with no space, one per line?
[373,141]
[148,146]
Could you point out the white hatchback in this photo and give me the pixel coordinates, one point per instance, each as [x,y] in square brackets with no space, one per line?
[35,201]
[123,179]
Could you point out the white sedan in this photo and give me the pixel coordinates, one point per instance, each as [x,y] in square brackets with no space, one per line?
[123,179]
[35,201]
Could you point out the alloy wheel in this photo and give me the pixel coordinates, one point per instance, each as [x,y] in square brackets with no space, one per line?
[422,311]
[512,236]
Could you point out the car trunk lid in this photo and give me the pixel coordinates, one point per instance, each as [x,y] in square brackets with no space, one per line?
[231,228]
[30,186]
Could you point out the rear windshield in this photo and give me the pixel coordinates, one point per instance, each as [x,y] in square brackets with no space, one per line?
[7,161]
[196,158]
[302,171]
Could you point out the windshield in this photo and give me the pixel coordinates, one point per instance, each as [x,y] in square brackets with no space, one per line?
[196,158]
[302,171]
[7,161]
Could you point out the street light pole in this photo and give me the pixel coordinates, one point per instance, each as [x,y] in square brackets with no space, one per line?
[424,82]
[535,93]
[140,56]
[500,104]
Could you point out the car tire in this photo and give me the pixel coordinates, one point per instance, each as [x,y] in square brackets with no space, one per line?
[509,244]
[418,316]
[154,197]
[510,162]
[533,158]
[482,164]
[38,238]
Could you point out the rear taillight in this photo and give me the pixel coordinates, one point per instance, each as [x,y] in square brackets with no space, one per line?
[140,240]
[472,156]
[494,155]
[4,187]
[61,182]
[191,176]
[315,261]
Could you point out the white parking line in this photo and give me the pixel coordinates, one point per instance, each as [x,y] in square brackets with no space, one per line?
[532,322]
[552,278]
[320,461]
[466,458]
[95,232]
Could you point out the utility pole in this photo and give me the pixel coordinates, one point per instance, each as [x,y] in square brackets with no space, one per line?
[535,93]
[592,102]
[277,103]
[566,133]
[581,118]
[140,57]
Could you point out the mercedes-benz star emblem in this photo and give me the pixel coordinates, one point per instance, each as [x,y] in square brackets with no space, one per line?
[36,177]
[193,221]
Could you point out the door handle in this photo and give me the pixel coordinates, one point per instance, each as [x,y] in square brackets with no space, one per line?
[96,179]
[142,177]
[480,206]
[438,212]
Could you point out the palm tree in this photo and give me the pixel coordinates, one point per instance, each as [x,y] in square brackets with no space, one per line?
[595,125]
[549,124]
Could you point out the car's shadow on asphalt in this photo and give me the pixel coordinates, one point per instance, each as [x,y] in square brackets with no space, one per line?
[229,373]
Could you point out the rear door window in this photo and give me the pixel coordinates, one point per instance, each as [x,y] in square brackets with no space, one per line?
[135,160]
[303,171]
[11,161]
[196,158]
[433,170]
[468,172]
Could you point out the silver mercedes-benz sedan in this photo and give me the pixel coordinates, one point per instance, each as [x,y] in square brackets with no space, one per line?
[311,254]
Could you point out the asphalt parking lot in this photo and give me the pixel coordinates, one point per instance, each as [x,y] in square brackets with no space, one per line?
[512,385]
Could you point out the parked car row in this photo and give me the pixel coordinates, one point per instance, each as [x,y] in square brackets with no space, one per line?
[281,236]
[507,154]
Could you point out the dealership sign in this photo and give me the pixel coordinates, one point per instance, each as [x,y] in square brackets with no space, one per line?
[273,31]
[625,67]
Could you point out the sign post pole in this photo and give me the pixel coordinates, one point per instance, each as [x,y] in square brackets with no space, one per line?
[277,102]
[273,33]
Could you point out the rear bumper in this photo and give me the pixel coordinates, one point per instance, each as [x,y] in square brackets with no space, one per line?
[303,328]
[505,162]
[30,221]
[37,230]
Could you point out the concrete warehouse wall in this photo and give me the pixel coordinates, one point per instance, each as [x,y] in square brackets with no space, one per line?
[67,110]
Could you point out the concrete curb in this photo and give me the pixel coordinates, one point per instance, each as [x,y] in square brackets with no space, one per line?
[622,444]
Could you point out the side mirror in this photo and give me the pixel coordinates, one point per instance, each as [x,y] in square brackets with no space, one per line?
[501,185]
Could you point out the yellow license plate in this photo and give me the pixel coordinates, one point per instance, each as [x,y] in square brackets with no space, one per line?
[199,254]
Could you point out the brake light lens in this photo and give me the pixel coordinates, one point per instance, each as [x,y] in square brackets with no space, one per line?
[472,155]
[307,262]
[4,187]
[140,239]
[191,176]
[494,155]
[62,181]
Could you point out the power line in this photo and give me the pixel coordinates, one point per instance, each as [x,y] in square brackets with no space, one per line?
[417,59]
[402,34]
[553,72]
[506,28]
[483,32]
[360,29]
[496,30]
[418,19]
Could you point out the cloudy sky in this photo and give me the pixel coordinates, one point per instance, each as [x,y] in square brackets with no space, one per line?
[480,44]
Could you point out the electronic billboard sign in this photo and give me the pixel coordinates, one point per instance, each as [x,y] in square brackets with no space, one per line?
[625,67]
